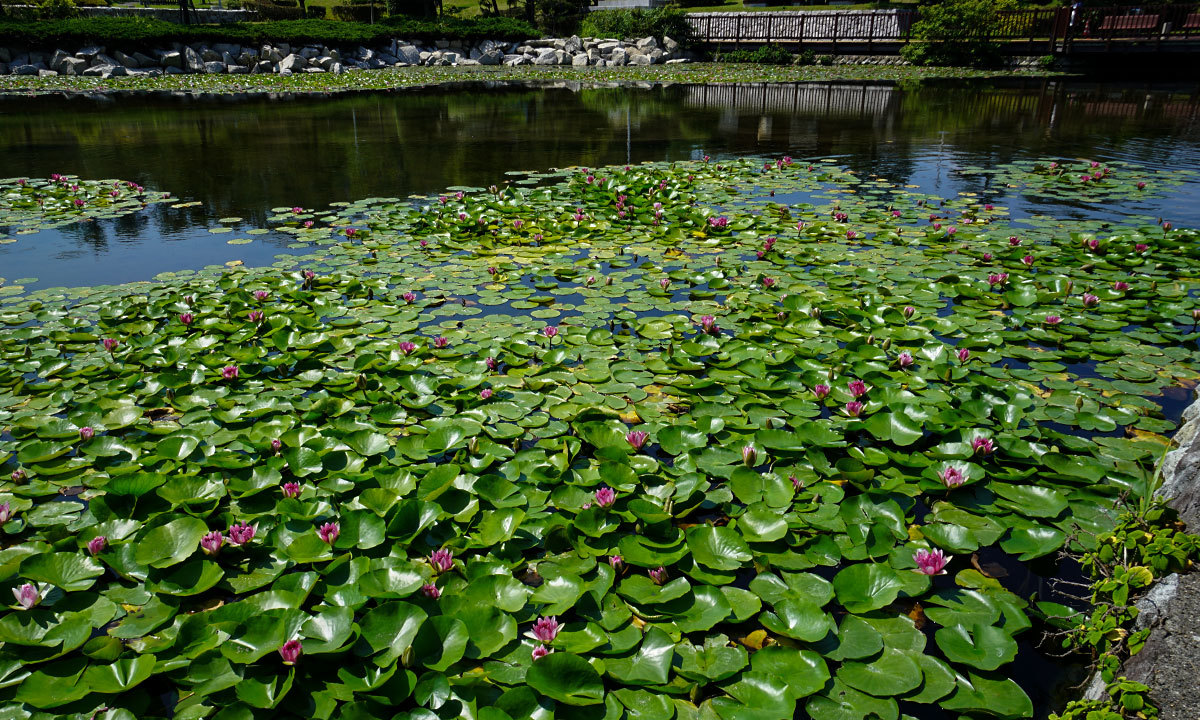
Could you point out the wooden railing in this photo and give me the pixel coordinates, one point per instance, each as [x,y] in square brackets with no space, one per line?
[1053,28]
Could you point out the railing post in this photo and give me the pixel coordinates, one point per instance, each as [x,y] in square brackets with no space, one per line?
[737,32]
[769,28]
[800,39]
[835,32]
[871,34]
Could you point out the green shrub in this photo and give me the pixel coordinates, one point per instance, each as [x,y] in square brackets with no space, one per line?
[628,24]
[762,55]
[273,11]
[56,9]
[315,12]
[561,17]
[359,13]
[126,32]
[956,32]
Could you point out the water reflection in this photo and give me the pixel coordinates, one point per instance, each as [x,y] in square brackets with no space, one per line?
[242,156]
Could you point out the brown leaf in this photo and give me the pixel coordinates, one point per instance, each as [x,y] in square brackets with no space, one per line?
[991,570]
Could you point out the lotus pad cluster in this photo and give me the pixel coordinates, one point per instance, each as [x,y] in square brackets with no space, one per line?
[30,205]
[702,440]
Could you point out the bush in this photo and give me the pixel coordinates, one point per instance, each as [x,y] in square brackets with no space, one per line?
[126,32]
[56,9]
[956,32]
[762,55]
[561,17]
[271,11]
[629,24]
[359,13]
[315,12]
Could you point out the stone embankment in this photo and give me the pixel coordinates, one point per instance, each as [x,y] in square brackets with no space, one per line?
[285,59]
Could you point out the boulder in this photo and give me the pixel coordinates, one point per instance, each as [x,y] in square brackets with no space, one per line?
[262,67]
[208,54]
[608,46]
[72,66]
[237,69]
[647,44]
[293,63]
[491,57]
[57,61]
[173,70]
[450,57]
[467,61]
[310,53]
[409,54]
[640,59]
[546,56]
[655,55]
[25,69]
[284,49]
[191,61]
[337,68]
[325,62]
[313,69]
[126,60]
[47,73]
[669,45]
[676,61]
[103,59]
[388,58]
[618,57]
[172,60]
[224,48]
[514,60]
[214,67]
[98,70]
[573,45]
[144,61]
[90,52]
[580,60]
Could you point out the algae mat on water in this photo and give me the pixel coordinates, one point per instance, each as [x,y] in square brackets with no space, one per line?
[699,440]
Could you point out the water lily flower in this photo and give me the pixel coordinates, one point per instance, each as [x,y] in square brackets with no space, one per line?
[850,234]
[86,433]
[987,257]
[407,348]
[440,342]
[1014,241]
[291,489]
[212,542]
[255,316]
[1167,226]
[290,652]
[951,230]
[545,629]
[908,311]
[550,331]
[904,360]
[491,363]
[937,226]
[485,394]
[409,297]
[1195,316]
[1141,186]
[821,390]
[18,475]
[658,575]
[578,215]
[895,213]
[988,207]
[706,158]
[441,560]
[329,532]
[97,544]
[309,275]
[1028,260]
[308,224]
[952,477]
[931,562]
[718,222]
[664,283]
[616,561]
[540,652]
[431,591]
[6,512]
[1092,243]
[997,279]
[854,408]
[709,324]
[1120,286]
[351,232]
[768,282]
[636,438]
[186,318]
[1090,300]
[261,295]
[1141,247]
[27,596]
[242,534]
[276,444]
[590,281]
[797,484]
[229,372]
[964,355]
[749,456]
[463,217]
[1052,320]
[424,243]
[443,199]
[857,388]
[110,344]
[983,445]
[605,497]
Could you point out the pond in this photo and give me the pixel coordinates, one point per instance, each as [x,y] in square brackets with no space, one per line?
[729,383]
[239,157]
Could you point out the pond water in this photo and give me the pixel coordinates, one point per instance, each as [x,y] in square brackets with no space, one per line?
[242,156]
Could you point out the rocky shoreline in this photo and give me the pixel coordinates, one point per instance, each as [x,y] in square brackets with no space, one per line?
[286,59]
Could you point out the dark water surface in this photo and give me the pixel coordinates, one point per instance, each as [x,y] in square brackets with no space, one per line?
[241,156]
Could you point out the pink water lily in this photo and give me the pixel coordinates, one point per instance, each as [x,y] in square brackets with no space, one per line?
[718,222]
[1141,186]
[854,408]
[351,232]
[857,388]
[952,477]
[983,445]
[409,297]
[186,318]
[290,652]
[97,544]
[908,312]
[441,560]
[1028,260]
[6,512]
[931,562]
[1141,247]
[821,390]
[407,348]
[749,456]
[550,331]
[18,475]
[987,257]
[291,489]
[486,394]
[1090,300]
[1052,320]
[904,360]
[545,629]
[212,542]
[431,591]
[616,561]
[1014,241]
[636,438]
[110,344]
[276,444]
[308,224]
[440,342]
[605,497]
[664,283]
[229,372]
[1120,286]
[329,532]
[86,433]
[240,534]
[491,363]
[255,316]
[709,325]
[540,652]
[27,596]
[424,243]
[768,282]
[658,575]
[261,295]
[997,279]
[964,355]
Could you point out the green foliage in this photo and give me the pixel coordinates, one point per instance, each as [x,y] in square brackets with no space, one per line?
[956,32]
[56,9]
[315,12]
[1127,700]
[767,534]
[141,32]
[765,55]
[561,18]
[630,24]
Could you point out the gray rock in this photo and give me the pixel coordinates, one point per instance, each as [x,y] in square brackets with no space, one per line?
[655,55]
[376,64]
[72,66]
[618,57]
[172,60]
[126,60]
[337,68]
[99,70]
[424,56]
[640,59]
[546,56]
[450,57]
[669,45]
[103,59]
[284,49]
[208,54]
[309,53]
[214,67]
[25,69]
[408,54]
[224,48]
[237,69]
[57,61]
[491,57]
[388,58]
[191,61]
[580,60]
[515,60]
[676,61]
[467,61]
[262,67]
[313,69]
[608,45]
[292,63]
[646,44]
[325,62]
[90,52]
[174,70]
[601,62]
[47,73]
[573,45]
[364,53]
